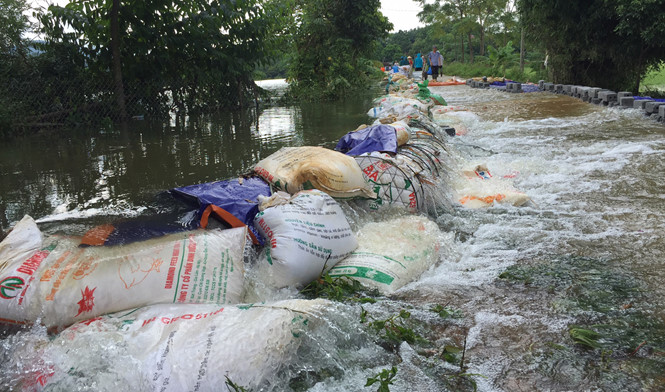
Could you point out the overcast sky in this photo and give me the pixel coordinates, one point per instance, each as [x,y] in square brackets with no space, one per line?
[402,13]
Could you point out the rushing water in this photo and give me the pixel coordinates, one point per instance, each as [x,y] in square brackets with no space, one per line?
[513,285]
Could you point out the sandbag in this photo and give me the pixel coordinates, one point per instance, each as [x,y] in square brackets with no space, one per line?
[394,183]
[305,237]
[382,137]
[175,348]
[398,106]
[392,253]
[479,189]
[292,169]
[61,283]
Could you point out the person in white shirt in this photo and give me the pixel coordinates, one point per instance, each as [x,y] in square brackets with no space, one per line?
[436,61]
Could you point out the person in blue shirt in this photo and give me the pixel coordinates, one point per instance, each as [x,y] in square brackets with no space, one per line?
[418,63]
[435,61]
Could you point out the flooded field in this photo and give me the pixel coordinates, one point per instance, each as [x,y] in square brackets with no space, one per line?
[562,294]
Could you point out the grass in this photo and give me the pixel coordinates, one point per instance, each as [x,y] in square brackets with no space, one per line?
[655,79]
[653,84]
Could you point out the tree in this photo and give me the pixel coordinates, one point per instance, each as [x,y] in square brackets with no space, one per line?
[602,43]
[486,13]
[13,23]
[333,38]
[189,54]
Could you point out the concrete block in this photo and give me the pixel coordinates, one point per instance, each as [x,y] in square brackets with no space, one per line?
[541,84]
[593,92]
[596,101]
[627,102]
[622,94]
[639,104]
[486,84]
[548,87]
[583,93]
[567,88]
[558,88]
[607,97]
[661,112]
[652,107]
[509,87]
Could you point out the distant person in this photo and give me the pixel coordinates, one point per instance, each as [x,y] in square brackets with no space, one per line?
[395,67]
[418,62]
[425,67]
[403,61]
[410,60]
[435,61]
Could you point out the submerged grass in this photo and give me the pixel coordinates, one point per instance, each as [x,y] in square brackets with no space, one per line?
[616,336]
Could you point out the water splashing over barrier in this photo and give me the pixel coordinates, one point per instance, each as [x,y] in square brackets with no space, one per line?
[510,282]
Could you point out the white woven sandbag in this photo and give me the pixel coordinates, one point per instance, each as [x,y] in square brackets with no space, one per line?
[61,283]
[176,348]
[392,253]
[304,238]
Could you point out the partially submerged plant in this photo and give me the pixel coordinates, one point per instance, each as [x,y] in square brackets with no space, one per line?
[338,288]
[394,329]
[384,378]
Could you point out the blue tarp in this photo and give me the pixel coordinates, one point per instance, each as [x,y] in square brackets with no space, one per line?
[238,199]
[374,138]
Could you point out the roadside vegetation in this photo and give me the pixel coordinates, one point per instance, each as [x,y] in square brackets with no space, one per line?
[97,62]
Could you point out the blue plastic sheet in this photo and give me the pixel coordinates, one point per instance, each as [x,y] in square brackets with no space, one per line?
[239,199]
[374,138]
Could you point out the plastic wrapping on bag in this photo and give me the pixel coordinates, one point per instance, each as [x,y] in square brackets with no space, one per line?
[383,138]
[174,348]
[237,197]
[392,253]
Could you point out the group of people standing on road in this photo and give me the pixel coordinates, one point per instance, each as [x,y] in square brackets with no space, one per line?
[423,63]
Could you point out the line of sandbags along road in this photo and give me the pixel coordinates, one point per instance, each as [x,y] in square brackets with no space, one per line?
[174,301]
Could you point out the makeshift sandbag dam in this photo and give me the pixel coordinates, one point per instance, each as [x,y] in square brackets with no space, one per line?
[500,242]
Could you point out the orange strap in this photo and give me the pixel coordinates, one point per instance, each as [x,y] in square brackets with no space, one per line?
[225,216]
[97,236]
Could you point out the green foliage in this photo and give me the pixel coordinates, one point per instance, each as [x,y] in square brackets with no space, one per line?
[384,378]
[502,58]
[332,41]
[603,43]
[395,329]
[465,70]
[13,24]
[585,337]
[446,312]
[233,387]
[338,288]
[185,55]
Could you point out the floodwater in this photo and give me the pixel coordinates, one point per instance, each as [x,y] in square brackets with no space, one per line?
[507,305]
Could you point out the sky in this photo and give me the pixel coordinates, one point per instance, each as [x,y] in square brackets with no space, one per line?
[403,14]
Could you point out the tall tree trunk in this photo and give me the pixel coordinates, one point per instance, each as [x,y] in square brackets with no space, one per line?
[470,50]
[522,52]
[482,41]
[117,63]
[462,40]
